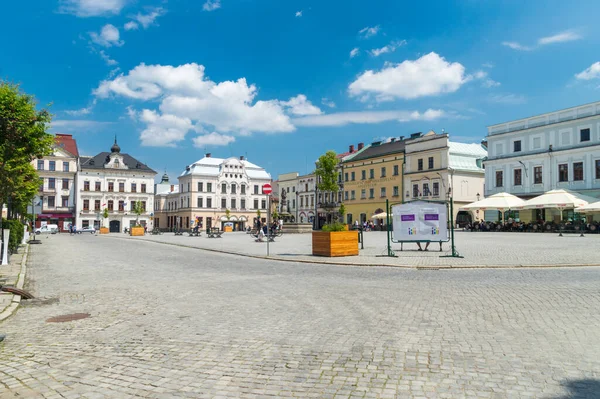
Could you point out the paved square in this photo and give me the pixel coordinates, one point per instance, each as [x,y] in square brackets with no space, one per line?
[173,322]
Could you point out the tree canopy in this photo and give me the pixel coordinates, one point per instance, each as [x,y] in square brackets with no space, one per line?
[326,172]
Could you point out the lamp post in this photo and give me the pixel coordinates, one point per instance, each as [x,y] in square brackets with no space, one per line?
[296,206]
[477,196]
[454,253]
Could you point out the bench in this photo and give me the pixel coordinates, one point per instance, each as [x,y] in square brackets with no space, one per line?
[156,232]
[215,233]
[571,230]
[196,233]
[178,232]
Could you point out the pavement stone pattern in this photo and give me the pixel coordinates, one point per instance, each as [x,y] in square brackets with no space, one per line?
[171,322]
[478,249]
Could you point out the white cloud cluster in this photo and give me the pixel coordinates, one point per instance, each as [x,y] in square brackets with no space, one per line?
[346,118]
[593,72]
[190,101]
[212,139]
[427,76]
[562,37]
[486,81]
[146,20]
[92,8]
[298,14]
[327,102]
[354,52]
[211,5]
[368,32]
[109,36]
[390,48]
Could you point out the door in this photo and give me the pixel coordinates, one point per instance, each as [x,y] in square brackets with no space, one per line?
[114,226]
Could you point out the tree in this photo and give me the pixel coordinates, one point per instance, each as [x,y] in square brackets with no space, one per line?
[23,138]
[104,215]
[258,213]
[227,214]
[138,209]
[275,215]
[342,211]
[327,174]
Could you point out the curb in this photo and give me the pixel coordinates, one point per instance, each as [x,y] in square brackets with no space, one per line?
[16,299]
[321,262]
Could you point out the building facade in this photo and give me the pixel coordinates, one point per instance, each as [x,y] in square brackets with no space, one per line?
[306,198]
[215,192]
[57,183]
[287,185]
[115,182]
[530,156]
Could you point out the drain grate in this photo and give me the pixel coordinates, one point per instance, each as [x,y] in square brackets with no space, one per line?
[68,317]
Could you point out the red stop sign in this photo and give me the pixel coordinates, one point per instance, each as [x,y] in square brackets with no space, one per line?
[267,189]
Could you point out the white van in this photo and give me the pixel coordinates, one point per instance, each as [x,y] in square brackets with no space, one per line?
[47,229]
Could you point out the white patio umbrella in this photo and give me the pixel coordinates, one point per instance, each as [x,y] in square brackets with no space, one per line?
[382,215]
[592,207]
[559,199]
[496,202]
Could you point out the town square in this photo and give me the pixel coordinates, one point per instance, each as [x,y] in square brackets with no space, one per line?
[263,199]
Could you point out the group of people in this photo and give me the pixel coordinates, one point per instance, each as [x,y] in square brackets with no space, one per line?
[366,225]
[536,226]
[264,229]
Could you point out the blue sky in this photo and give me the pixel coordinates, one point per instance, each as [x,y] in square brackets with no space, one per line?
[284,81]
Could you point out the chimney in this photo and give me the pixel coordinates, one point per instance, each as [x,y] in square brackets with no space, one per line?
[393,140]
[242,158]
[208,154]
[361,146]
[351,148]
[172,187]
[484,143]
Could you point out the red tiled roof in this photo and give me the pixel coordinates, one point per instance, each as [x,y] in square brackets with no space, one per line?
[67,142]
[344,154]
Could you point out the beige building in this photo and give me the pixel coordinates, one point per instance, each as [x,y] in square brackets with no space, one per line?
[213,192]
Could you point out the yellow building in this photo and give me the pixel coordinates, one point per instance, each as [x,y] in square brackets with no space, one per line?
[371,177]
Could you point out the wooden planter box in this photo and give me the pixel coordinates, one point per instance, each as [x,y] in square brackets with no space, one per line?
[136,231]
[104,230]
[335,243]
[228,229]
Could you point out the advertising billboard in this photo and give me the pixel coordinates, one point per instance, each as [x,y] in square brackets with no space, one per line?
[420,221]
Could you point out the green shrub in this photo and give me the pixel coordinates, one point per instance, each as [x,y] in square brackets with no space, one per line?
[16,233]
[336,226]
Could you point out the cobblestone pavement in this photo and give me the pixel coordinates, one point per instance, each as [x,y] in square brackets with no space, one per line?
[172,322]
[478,249]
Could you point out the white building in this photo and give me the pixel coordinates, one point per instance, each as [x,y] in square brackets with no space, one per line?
[306,198]
[214,192]
[114,181]
[530,156]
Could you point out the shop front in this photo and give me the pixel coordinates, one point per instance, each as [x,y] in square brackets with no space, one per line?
[62,220]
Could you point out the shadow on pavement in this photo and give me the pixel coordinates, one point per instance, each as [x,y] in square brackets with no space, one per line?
[581,389]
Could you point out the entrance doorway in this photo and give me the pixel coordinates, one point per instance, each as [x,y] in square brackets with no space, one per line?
[114,226]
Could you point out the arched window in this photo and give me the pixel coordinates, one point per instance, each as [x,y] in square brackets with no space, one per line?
[233,188]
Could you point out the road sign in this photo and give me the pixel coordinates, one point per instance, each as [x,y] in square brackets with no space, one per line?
[267,189]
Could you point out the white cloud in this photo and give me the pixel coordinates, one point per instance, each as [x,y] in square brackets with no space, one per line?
[427,76]
[108,37]
[516,46]
[187,99]
[300,105]
[486,81]
[132,113]
[109,61]
[211,5]
[593,72]
[214,139]
[369,31]
[512,99]
[566,36]
[327,102]
[354,52]
[83,111]
[298,14]
[390,48]
[92,8]
[368,117]
[131,25]
[146,20]
[487,65]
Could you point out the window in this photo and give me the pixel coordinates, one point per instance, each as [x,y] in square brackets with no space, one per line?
[363,175]
[395,191]
[121,187]
[426,189]
[597,168]
[339,181]
[110,205]
[200,202]
[65,166]
[517,177]
[293,204]
[371,173]
[52,182]
[51,201]
[420,164]
[255,204]
[143,188]
[224,188]
[499,178]
[256,191]
[144,206]
[578,171]
[353,175]
[65,184]
[133,187]
[563,172]
[396,170]
[263,204]
[383,192]
[97,205]
[537,143]
[243,203]
[52,166]
[415,190]
[86,205]
[517,146]
[223,203]
[371,193]
[243,189]
[97,187]
[383,172]
[233,189]
[209,187]
[436,189]
[312,200]
[346,196]
[233,203]
[189,188]
[363,194]
[121,206]
[346,176]
[86,186]
[111,186]
[537,175]
[352,195]
[209,202]
[40,165]
[584,135]
[200,187]
[430,163]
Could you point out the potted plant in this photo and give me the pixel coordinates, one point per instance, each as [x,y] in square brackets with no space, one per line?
[104,230]
[138,229]
[228,229]
[334,239]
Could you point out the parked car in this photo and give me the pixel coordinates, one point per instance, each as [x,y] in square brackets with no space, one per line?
[47,229]
[89,229]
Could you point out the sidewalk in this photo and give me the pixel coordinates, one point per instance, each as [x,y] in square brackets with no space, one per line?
[13,275]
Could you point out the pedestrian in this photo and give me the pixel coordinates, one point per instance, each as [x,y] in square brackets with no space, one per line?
[281,224]
[70,229]
[426,246]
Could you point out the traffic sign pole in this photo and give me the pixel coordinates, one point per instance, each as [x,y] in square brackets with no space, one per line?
[267,190]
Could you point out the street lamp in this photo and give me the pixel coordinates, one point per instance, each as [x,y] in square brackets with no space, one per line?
[477,196]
